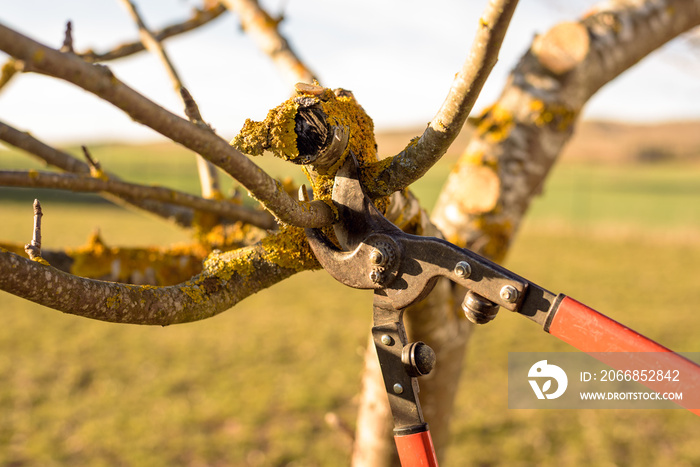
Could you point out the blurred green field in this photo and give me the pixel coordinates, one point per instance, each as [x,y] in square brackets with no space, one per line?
[252,386]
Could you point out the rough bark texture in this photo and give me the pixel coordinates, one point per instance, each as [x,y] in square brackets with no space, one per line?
[505,164]
[519,137]
[226,279]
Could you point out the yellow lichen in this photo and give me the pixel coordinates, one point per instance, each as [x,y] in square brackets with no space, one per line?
[498,233]
[38,56]
[553,115]
[195,293]
[40,260]
[33,173]
[165,266]
[290,249]
[275,133]
[96,172]
[113,301]
[495,123]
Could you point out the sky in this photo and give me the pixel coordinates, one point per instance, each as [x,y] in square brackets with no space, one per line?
[397,56]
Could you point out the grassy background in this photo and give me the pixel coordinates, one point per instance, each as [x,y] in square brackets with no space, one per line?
[253,386]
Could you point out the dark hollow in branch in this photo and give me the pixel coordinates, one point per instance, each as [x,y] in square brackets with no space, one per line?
[313,133]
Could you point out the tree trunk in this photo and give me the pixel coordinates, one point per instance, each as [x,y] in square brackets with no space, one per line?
[504,165]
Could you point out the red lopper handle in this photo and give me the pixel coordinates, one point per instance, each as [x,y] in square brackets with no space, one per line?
[594,333]
[416,450]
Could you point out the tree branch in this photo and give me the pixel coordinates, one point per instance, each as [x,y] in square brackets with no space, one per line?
[518,139]
[101,82]
[199,18]
[419,156]
[134,191]
[22,140]
[264,30]
[227,278]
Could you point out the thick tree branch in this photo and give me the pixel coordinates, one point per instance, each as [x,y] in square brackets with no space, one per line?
[101,82]
[264,30]
[420,155]
[134,191]
[518,139]
[227,278]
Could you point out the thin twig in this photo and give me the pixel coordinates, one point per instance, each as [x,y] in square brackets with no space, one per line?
[208,175]
[264,30]
[33,248]
[100,81]
[67,46]
[152,44]
[94,163]
[133,191]
[419,156]
[192,109]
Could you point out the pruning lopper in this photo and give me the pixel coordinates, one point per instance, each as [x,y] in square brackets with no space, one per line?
[403,268]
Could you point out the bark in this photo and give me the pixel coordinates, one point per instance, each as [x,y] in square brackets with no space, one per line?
[520,136]
[226,279]
[507,161]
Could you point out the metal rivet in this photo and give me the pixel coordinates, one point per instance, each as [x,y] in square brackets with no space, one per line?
[398,389]
[387,340]
[463,269]
[376,257]
[509,294]
[374,276]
